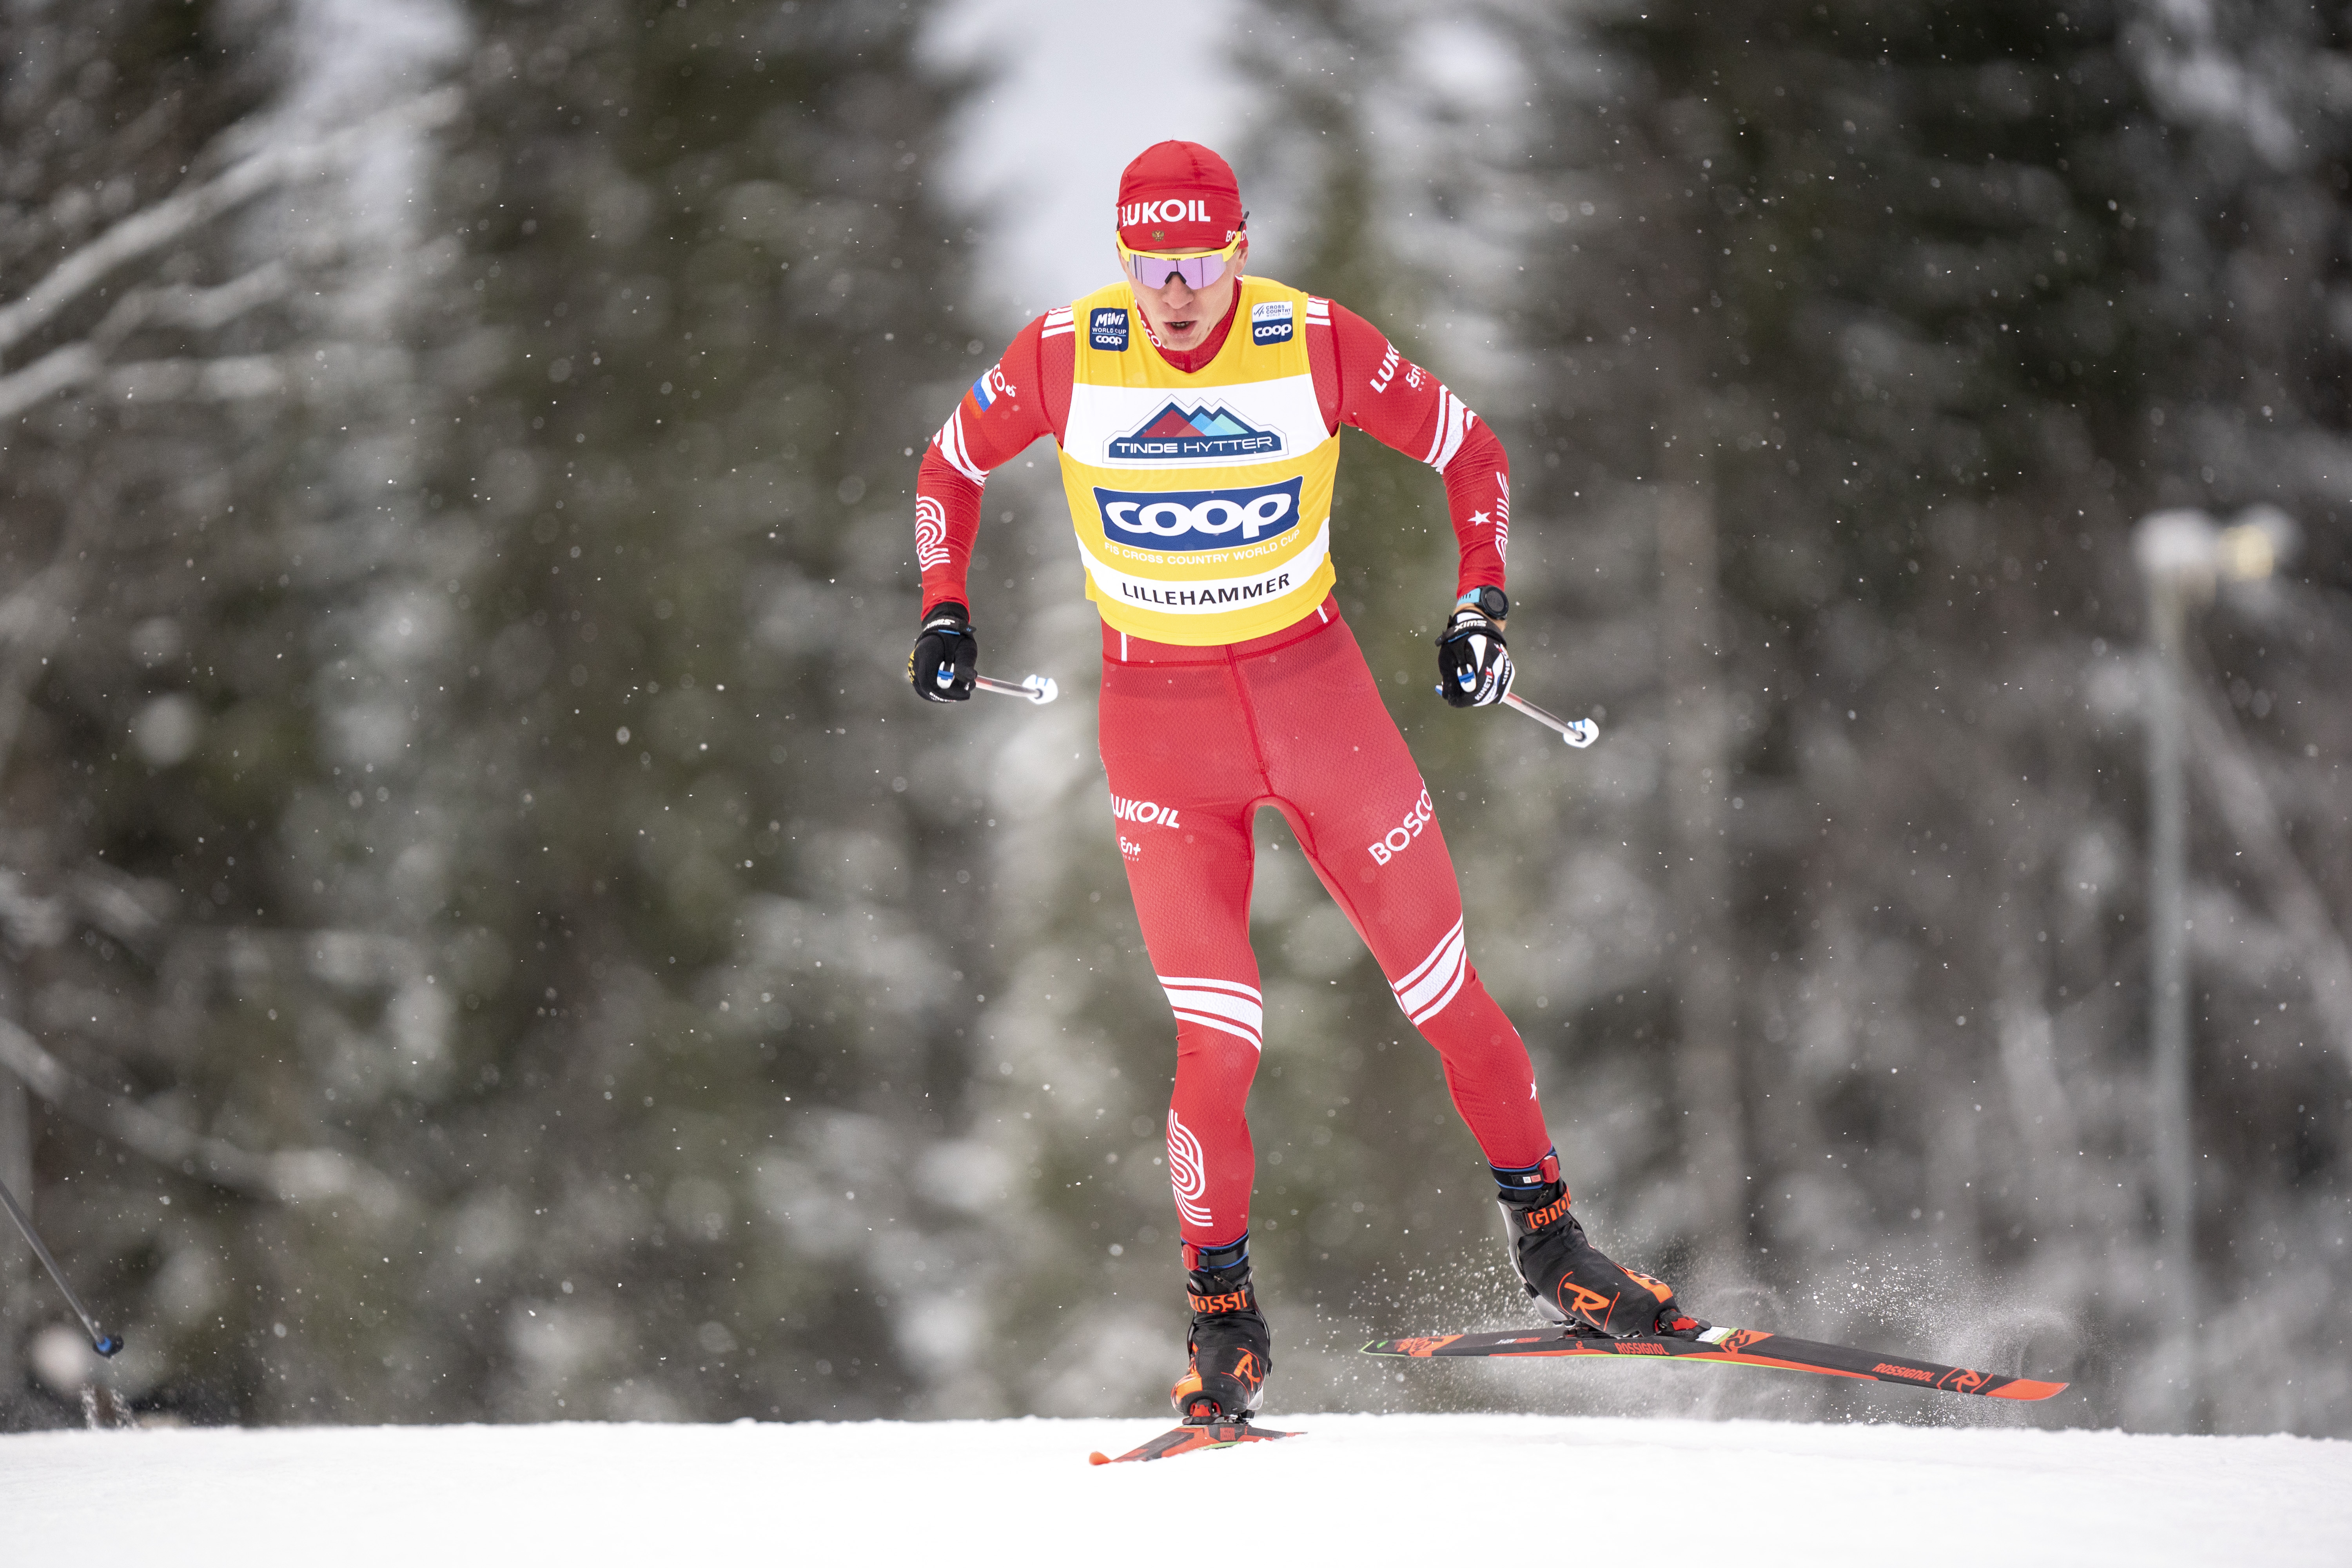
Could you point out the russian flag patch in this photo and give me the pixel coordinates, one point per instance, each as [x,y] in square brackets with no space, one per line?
[991,386]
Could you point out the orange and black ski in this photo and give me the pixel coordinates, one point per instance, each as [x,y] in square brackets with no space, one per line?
[1725,1347]
[1191,1437]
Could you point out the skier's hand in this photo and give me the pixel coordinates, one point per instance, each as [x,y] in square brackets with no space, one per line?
[1473,666]
[946,655]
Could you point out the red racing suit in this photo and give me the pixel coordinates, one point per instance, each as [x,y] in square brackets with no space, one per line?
[1196,738]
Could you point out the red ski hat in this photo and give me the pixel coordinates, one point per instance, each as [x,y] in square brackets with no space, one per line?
[1179,195]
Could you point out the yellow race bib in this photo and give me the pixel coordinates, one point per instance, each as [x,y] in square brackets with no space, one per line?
[1203,501]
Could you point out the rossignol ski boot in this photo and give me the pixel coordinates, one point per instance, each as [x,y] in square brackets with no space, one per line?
[1572,1280]
[1230,1347]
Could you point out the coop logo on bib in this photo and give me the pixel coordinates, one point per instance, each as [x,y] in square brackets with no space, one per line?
[1198,519]
[1205,431]
[1270,322]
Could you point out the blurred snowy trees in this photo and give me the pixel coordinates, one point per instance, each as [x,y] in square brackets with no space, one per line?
[487,934]
[202,272]
[710,857]
[1951,300]
[403,776]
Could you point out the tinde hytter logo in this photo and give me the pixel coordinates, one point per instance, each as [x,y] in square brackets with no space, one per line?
[1205,432]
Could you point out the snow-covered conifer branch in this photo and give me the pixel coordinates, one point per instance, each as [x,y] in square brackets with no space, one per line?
[201,309]
[190,207]
[60,370]
[289,1176]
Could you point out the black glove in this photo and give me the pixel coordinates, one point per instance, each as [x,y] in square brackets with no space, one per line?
[946,655]
[1473,667]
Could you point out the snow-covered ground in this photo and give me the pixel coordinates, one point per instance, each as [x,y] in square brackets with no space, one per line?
[1357,1489]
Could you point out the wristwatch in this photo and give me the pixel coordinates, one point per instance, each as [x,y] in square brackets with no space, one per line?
[1489,600]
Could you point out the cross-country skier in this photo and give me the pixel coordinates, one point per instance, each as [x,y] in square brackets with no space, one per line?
[1198,414]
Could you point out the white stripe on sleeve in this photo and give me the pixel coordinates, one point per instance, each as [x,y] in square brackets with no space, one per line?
[1453,424]
[951,447]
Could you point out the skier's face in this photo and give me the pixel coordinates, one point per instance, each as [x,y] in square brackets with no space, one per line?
[1181,317]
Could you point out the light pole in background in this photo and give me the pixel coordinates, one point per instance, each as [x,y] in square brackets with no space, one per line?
[2182,556]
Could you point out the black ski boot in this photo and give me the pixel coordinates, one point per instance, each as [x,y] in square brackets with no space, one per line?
[1570,1279]
[1230,1347]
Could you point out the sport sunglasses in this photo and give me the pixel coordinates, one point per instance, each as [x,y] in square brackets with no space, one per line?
[1198,269]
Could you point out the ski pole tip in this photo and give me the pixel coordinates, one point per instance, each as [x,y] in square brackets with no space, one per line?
[1097,1457]
[1043,688]
[107,1345]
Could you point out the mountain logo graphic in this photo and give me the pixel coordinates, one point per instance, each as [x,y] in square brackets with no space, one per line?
[1177,433]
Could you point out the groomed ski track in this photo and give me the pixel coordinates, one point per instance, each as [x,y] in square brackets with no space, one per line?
[1357,1489]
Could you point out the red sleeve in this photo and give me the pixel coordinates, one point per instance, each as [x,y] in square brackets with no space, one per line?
[1361,380]
[1022,396]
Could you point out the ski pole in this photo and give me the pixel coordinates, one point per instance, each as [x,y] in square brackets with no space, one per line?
[1577,732]
[103,1343]
[1039,688]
